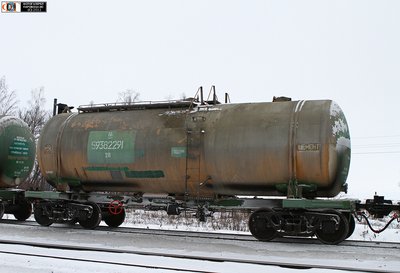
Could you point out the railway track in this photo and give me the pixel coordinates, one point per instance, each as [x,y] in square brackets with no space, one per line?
[213,235]
[91,260]
[194,247]
[109,261]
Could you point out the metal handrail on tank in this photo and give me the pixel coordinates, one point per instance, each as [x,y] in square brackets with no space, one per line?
[141,105]
[187,103]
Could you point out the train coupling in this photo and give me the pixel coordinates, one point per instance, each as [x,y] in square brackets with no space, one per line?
[378,207]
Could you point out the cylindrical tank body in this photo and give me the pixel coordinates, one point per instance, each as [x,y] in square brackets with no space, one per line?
[230,149]
[17,151]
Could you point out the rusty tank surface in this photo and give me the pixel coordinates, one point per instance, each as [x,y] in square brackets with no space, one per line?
[187,149]
[17,151]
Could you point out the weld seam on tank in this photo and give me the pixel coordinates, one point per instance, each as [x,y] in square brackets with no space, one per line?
[59,137]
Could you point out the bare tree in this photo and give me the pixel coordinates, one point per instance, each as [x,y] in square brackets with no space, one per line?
[8,98]
[128,97]
[35,116]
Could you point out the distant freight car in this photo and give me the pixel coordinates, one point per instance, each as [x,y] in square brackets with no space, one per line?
[17,156]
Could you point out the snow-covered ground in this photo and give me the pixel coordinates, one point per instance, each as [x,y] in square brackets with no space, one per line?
[363,233]
[22,264]
[25,264]
[376,259]
[363,258]
[237,223]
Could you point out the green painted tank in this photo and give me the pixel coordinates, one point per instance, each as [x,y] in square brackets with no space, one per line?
[202,151]
[17,151]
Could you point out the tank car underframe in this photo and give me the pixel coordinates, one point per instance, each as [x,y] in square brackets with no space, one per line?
[331,220]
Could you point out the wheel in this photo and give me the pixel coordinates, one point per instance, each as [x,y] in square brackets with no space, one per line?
[94,219]
[352,224]
[24,211]
[115,220]
[331,234]
[40,217]
[2,209]
[260,226]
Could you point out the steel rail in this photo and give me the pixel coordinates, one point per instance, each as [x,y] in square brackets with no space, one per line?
[212,235]
[291,265]
[102,262]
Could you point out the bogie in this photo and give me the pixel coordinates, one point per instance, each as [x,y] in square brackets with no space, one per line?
[91,217]
[334,230]
[331,227]
[41,216]
[88,215]
[260,225]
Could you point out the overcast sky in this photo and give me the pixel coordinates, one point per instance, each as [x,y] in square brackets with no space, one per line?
[347,51]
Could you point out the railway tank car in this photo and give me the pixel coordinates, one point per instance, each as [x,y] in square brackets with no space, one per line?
[17,155]
[231,149]
[200,156]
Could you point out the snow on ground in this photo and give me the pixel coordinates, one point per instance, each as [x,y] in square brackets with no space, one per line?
[361,258]
[237,223]
[226,222]
[25,264]
[363,233]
